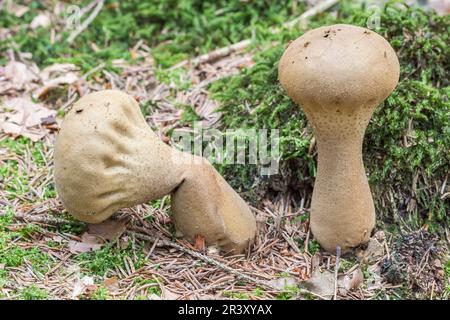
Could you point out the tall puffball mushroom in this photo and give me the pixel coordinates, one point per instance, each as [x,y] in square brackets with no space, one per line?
[107,158]
[339,74]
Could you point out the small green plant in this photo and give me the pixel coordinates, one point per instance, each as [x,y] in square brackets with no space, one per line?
[152,289]
[313,246]
[100,294]
[236,295]
[101,261]
[33,293]
[447,277]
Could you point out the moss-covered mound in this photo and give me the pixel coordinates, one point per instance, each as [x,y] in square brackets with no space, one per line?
[407,143]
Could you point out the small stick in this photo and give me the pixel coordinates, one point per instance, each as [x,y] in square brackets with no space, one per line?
[86,22]
[221,52]
[336,271]
[42,219]
[304,17]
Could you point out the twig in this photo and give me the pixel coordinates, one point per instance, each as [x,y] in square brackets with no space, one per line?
[305,16]
[243,44]
[86,22]
[41,219]
[290,242]
[336,271]
[222,52]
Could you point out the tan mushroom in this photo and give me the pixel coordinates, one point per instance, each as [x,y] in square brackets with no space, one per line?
[339,74]
[107,158]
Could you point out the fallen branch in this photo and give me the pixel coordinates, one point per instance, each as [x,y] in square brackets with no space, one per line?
[42,219]
[303,19]
[222,52]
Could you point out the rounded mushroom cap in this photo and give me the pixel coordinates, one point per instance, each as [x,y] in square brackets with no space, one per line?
[339,65]
[100,156]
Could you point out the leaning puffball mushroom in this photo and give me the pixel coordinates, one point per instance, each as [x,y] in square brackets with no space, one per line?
[339,74]
[107,158]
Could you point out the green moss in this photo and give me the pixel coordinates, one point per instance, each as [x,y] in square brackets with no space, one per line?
[447,277]
[33,293]
[109,257]
[154,289]
[15,176]
[175,30]
[419,109]
[236,295]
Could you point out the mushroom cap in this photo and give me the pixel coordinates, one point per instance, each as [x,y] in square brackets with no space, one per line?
[101,153]
[340,65]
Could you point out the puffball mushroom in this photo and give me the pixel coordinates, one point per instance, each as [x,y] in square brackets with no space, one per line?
[339,74]
[107,158]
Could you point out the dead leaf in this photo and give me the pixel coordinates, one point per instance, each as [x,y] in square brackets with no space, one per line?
[112,284]
[348,283]
[16,9]
[109,229]
[19,74]
[80,286]
[40,20]
[357,279]
[374,251]
[321,283]
[88,243]
[56,75]
[22,117]
[442,7]
[283,283]
[199,242]
[169,295]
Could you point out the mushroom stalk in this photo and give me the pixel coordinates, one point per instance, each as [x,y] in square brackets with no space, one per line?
[341,188]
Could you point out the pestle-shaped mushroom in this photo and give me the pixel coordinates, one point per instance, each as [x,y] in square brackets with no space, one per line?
[339,74]
[107,158]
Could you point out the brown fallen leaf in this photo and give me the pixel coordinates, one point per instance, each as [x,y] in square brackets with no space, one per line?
[108,230]
[374,251]
[41,20]
[19,74]
[169,295]
[199,242]
[22,117]
[357,279]
[57,75]
[112,284]
[88,243]
[80,285]
[321,283]
[348,283]
[17,9]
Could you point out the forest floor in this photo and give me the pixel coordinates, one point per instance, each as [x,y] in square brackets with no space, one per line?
[46,254]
